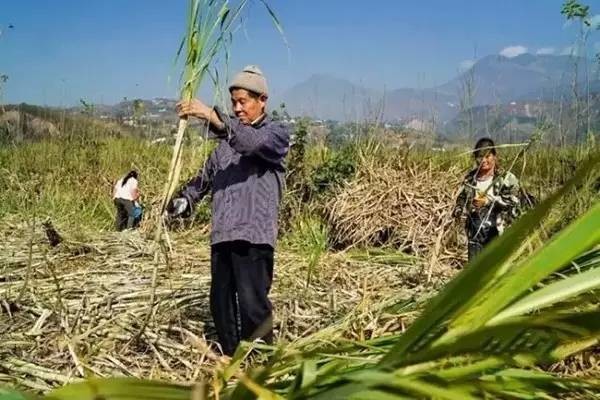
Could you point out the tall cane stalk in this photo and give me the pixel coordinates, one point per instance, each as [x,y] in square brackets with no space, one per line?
[209,32]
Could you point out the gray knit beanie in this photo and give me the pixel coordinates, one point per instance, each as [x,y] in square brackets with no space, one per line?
[251,78]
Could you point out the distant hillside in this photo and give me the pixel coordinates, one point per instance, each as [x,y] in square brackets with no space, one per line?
[499,79]
[494,79]
[516,121]
[26,122]
[328,97]
[157,109]
[427,104]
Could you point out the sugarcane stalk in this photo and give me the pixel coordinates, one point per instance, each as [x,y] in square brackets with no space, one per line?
[175,166]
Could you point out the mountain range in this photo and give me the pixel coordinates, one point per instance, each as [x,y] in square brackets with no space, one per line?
[494,79]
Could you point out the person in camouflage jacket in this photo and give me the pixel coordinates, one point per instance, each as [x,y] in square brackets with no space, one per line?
[490,198]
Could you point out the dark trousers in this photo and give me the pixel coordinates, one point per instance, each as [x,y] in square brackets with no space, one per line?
[241,279]
[480,233]
[125,214]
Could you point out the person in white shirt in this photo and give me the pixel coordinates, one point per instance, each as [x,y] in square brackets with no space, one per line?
[490,198]
[126,196]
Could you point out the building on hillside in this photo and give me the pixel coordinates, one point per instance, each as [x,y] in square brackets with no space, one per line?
[419,125]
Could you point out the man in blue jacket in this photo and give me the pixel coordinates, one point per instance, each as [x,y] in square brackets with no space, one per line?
[245,174]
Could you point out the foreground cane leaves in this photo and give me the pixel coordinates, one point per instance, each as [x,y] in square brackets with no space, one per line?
[377,394]
[260,391]
[526,384]
[475,281]
[396,387]
[121,389]
[9,394]
[572,241]
[553,293]
[251,383]
[535,338]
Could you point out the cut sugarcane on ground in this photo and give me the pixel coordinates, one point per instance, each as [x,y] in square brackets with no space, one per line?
[84,302]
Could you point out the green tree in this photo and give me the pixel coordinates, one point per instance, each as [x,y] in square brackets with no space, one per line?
[88,107]
[139,109]
[574,10]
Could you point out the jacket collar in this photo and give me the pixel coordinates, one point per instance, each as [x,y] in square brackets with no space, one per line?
[261,121]
[472,175]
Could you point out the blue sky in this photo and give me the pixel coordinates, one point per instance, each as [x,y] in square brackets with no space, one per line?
[63,50]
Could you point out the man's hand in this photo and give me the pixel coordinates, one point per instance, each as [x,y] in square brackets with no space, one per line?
[479,202]
[196,108]
[193,108]
[177,207]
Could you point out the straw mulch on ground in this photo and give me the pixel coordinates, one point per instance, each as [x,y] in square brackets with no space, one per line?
[80,308]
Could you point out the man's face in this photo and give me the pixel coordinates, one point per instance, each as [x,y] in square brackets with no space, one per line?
[246,106]
[487,162]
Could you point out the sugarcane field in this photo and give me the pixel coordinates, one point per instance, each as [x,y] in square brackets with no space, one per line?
[263,199]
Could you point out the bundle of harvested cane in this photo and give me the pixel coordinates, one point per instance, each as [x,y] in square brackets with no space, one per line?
[406,206]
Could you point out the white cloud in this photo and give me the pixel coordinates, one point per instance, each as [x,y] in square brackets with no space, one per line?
[570,51]
[567,51]
[597,46]
[545,51]
[465,65]
[513,51]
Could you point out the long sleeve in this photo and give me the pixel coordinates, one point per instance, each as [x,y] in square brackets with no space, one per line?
[508,193]
[461,202]
[269,142]
[463,195]
[199,186]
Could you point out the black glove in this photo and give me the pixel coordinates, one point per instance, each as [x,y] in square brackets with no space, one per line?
[457,213]
[178,207]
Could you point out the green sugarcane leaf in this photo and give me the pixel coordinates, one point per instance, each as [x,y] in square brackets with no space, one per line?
[308,374]
[223,18]
[425,389]
[239,356]
[536,338]
[261,392]
[534,383]
[276,22]
[516,383]
[378,395]
[469,369]
[375,380]
[242,392]
[551,294]
[591,259]
[180,49]
[370,377]
[10,394]
[338,392]
[120,389]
